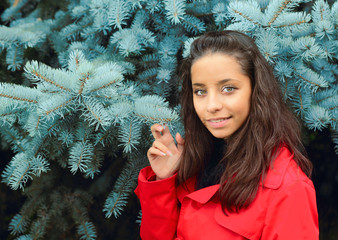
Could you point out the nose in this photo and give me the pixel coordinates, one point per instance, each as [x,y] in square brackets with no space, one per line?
[214,103]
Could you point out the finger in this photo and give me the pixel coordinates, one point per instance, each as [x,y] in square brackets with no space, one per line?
[153,152]
[166,130]
[167,138]
[162,133]
[163,148]
[156,130]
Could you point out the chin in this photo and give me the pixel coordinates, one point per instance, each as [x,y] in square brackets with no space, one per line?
[220,135]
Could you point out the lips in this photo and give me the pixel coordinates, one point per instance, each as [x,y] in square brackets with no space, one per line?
[217,122]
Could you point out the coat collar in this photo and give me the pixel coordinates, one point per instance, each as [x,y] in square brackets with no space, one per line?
[277,169]
[273,180]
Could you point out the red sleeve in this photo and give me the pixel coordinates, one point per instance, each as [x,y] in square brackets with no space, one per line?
[159,206]
[293,214]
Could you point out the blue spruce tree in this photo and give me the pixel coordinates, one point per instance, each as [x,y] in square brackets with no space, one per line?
[104,71]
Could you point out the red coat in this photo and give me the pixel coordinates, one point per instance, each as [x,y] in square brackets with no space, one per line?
[285,208]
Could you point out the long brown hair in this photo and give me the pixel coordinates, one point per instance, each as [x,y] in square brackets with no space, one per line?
[254,146]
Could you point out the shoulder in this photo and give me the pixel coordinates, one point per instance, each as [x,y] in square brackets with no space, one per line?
[291,209]
[284,171]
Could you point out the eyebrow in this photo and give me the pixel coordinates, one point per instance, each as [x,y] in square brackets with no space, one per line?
[218,83]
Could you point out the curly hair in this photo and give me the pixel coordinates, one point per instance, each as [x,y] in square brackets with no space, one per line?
[254,146]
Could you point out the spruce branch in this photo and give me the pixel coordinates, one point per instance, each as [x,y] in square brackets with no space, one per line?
[22,34]
[139,218]
[56,105]
[83,81]
[120,111]
[95,113]
[19,173]
[307,78]
[129,135]
[154,109]
[14,57]
[193,24]
[175,10]
[39,165]
[18,93]
[267,42]
[154,6]
[317,117]
[148,75]
[187,44]
[18,224]
[124,185]
[246,17]
[245,11]
[15,3]
[39,72]
[96,163]
[109,84]
[277,8]
[321,11]
[307,49]
[13,137]
[13,11]
[73,31]
[87,231]
[118,13]
[9,114]
[76,60]
[279,11]
[291,20]
[150,60]
[219,12]
[301,101]
[80,156]
[328,94]
[107,76]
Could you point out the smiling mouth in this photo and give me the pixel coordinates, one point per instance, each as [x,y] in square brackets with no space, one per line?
[218,120]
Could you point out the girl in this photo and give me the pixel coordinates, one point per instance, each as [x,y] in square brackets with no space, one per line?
[240,172]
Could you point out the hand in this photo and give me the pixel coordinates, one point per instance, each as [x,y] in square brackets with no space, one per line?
[164,156]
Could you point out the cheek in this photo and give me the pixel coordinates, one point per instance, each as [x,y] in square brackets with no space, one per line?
[241,105]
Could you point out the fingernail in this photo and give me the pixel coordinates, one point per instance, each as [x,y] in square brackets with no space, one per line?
[169,153]
[163,154]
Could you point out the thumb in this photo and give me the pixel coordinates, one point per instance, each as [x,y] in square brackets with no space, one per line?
[180,142]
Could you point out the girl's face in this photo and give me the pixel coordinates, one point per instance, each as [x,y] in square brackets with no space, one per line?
[221,93]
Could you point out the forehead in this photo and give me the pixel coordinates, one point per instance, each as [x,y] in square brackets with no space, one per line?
[215,67]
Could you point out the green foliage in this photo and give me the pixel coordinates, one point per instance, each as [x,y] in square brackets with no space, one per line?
[109,72]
